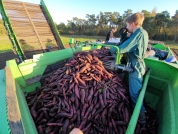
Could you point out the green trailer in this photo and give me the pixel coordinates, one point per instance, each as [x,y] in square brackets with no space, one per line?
[160,88]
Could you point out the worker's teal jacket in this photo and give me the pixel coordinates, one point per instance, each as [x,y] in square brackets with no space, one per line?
[135,47]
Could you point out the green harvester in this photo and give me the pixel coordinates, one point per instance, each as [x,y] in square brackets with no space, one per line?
[160,86]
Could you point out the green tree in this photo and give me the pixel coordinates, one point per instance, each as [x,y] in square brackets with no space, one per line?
[149,23]
[107,16]
[91,19]
[115,19]
[102,19]
[78,23]
[175,25]
[158,25]
[161,21]
[125,15]
[84,23]
[91,23]
[62,28]
[71,26]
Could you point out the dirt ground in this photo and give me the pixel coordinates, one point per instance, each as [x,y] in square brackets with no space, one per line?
[5,57]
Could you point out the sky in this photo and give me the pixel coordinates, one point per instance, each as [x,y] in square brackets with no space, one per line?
[63,10]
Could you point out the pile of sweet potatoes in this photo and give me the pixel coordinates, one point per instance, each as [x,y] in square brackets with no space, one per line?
[84,95]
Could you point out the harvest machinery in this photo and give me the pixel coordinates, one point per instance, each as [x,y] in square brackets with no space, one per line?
[160,88]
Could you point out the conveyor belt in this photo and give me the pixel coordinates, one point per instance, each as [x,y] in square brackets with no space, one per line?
[31,26]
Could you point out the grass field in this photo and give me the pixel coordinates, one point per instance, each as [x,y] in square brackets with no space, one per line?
[6,46]
[82,38]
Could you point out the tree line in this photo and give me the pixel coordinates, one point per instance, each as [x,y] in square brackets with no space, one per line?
[160,26]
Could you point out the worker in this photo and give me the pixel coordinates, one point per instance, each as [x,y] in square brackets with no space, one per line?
[135,47]
[110,34]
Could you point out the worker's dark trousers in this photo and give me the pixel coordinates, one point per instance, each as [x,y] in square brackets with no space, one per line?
[135,85]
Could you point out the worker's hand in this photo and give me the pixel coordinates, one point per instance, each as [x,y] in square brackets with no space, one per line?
[76,131]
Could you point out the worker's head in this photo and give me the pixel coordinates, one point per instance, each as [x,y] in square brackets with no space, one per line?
[134,21]
[114,29]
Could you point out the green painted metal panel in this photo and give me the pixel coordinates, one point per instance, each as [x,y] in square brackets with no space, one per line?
[160,46]
[164,100]
[4,124]
[153,90]
[160,76]
[37,66]
[136,112]
[31,87]
[160,83]
[26,118]
[65,53]
[151,98]
[174,90]
[166,112]
[16,72]
[53,27]
[86,48]
[161,69]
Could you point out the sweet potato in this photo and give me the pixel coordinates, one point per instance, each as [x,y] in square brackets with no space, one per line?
[82,94]
[76,103]
[99,129]
[39,117]
[55,124]
[46,115]
[84,109]
[62,114]
[114,126]
[66,104]
[82,124]
[33,112]
[86,128]
[77,91]
[40,129]
[101,101]
[84,68]
[32,101]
